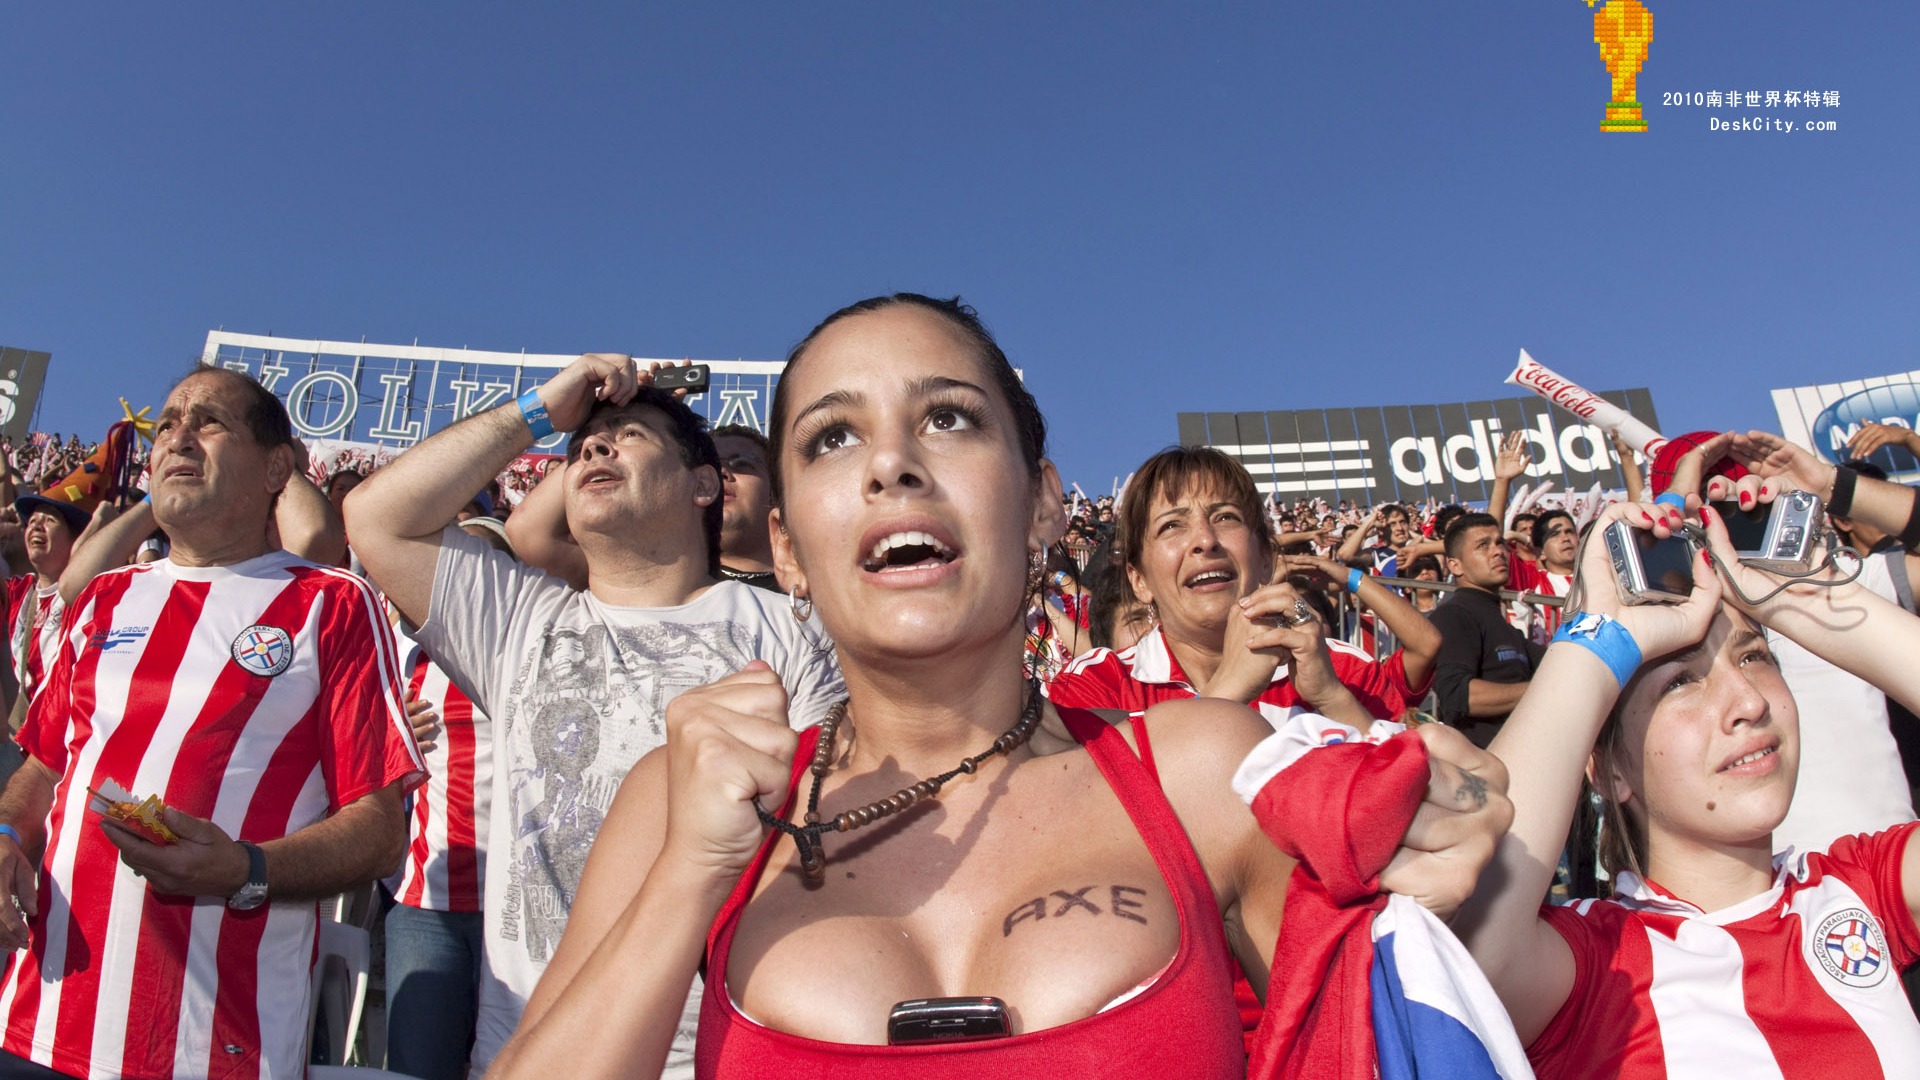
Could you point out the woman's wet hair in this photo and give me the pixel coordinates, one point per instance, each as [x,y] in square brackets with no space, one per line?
[1178,471]
[1030,428]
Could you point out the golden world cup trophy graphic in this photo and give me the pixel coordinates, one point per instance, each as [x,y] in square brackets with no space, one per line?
[1623,29]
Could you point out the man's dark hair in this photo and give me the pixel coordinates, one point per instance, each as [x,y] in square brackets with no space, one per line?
[1464,524]
[1030,428]
[1111,598]
[267,419]
[690,434]
[1544,522]
[1444,518]
[742,431]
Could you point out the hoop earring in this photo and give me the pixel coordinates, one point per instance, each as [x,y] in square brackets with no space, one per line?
[800,613]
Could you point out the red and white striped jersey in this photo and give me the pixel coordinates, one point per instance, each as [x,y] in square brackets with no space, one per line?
[1802,981]
[1538,623]
[30,651]
[1138,678]
[263,696]
[446,849]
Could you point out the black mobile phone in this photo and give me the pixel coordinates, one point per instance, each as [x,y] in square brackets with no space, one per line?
[954,1019]
[690,377]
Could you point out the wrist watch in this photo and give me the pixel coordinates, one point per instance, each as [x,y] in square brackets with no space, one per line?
[254,892]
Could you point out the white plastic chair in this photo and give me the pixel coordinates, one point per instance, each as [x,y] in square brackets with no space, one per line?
[340,974]
[356,907]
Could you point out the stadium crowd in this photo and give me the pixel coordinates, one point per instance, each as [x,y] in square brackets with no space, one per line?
[589,734]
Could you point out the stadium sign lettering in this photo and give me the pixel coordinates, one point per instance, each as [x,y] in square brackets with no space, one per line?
[1443,452]
[395,395]
[1897,404]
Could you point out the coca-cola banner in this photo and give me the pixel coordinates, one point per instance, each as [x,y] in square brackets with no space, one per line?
[1411,453]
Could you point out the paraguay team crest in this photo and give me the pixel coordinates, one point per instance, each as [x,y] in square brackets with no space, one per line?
[1851,947]
[263,650]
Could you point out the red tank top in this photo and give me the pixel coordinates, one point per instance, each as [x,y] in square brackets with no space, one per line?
[1183,1025]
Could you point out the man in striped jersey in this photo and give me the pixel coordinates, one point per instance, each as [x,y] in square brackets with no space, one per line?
[435,936]
[576,682]
[259,696]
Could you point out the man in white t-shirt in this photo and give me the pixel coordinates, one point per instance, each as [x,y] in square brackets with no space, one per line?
[258,696]
[576,681]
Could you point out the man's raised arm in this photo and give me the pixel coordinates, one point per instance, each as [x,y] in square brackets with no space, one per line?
[396,516]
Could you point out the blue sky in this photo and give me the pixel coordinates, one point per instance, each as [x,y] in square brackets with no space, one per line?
[1261,206]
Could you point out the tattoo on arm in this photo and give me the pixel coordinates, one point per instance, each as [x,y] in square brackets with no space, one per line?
[1122,900]
[1473,787]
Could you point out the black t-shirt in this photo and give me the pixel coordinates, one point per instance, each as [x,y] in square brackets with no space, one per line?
[1477,643]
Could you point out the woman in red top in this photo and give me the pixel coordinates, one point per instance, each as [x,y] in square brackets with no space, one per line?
[912,494]
[1198,552]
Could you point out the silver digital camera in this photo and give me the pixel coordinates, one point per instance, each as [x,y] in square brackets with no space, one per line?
[1780,536]
[1650,570]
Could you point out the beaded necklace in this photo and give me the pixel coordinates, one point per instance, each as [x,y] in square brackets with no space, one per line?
[813,858]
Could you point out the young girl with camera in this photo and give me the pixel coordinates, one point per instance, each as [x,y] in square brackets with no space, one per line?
[1714,957]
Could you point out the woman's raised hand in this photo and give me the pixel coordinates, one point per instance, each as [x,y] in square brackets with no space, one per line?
[1657,629]
[728,743]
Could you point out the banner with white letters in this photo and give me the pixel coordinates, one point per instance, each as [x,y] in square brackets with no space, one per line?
[1825,418]
[1410,453]
[395,395]
[22,373]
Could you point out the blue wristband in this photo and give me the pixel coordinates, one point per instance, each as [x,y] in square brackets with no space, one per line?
[1678,502]
[535,412]
[1604,637]
[1354,577]
[7,831]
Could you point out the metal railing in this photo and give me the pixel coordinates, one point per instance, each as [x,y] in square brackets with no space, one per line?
[1384,640]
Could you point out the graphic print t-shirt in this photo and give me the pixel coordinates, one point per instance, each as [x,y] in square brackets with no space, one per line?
[578,691]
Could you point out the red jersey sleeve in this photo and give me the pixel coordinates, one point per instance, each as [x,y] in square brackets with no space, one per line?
[43,734]
[1871,864]
[1095,680]
[1396,668]
[17,590]
[366,742]
[1523,575]
[1368,681]
[1597,1020]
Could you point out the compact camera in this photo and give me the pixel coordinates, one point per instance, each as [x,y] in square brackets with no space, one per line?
[1650,570]
[689,377]
[1779,536]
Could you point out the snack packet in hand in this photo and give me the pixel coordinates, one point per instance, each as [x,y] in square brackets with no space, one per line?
[140,815]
